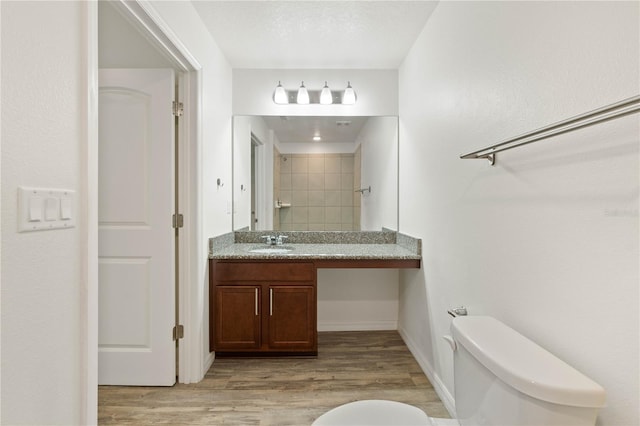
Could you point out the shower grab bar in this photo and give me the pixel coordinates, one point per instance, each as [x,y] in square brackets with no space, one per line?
[610,112]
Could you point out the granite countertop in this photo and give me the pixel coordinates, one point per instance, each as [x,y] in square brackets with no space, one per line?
[383,245]
[318,251]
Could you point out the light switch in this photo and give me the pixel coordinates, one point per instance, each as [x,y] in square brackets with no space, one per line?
[51,209]
[35,209]
[42,209]
[65,209]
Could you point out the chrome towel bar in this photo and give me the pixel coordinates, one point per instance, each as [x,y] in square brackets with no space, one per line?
[610,112]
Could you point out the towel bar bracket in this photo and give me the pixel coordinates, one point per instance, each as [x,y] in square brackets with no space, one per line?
[491,158]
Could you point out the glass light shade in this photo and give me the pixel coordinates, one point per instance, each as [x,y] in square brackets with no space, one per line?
[326,98]
[303,95]
[349,96]
[280,95]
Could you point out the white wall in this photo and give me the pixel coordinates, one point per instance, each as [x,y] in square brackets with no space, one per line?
[43,92]
[241,172]
[379,140]
[243,127]
[357,299]
[212,159]
[547,240]
[377,91]
[120,45]
[43,273]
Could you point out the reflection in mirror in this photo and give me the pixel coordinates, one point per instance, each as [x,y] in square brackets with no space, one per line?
[315,173]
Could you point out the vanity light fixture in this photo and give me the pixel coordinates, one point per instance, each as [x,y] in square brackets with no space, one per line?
[280,95]
[303,95]
[325,96]
[317,138]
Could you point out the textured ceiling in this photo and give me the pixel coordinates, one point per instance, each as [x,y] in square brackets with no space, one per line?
[315,34]
[302,129]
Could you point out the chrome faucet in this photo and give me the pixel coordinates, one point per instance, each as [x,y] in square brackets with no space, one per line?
[274,240]
[269,239]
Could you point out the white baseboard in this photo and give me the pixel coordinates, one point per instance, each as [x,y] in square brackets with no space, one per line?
[356,325]
[446,397]
[208,362]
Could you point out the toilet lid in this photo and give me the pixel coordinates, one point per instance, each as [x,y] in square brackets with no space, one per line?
[373,412]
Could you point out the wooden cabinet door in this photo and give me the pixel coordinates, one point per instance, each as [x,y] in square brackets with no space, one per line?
[292,317]
[237,317]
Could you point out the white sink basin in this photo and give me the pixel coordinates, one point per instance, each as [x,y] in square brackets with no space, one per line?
[271,250]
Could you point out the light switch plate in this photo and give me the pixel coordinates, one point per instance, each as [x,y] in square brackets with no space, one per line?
[41,209]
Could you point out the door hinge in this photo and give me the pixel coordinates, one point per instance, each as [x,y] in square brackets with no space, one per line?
[177,221]
[178,332]
[178,109]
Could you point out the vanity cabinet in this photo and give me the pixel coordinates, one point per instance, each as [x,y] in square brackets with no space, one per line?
[263,307]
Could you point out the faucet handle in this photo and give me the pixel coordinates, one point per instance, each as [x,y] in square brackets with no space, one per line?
[280,239]
[269,239]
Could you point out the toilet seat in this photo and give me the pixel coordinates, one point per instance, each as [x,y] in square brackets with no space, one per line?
[374,412]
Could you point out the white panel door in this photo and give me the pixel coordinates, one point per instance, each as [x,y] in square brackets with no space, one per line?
[136,238]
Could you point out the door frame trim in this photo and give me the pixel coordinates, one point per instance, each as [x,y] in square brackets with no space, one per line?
[143,16]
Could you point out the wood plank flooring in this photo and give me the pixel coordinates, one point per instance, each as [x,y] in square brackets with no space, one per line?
[350,366]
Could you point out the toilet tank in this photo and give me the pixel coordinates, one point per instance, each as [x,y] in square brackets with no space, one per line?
[503,378]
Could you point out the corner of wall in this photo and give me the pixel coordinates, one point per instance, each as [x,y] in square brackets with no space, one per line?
[438,385]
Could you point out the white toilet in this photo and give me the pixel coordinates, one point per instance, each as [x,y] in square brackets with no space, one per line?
[501,378]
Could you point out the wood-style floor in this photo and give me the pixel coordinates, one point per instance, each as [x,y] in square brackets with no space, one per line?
[350,366]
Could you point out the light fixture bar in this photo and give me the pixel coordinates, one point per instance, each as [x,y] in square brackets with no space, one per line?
[304,96]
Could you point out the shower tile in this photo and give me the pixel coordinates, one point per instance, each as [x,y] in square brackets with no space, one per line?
[356,218]
[285,216]
[347,181]
[332,198]
[332,181]
[332,215]
[346,198]
[300,215]
[346,215]
[316,227]
[316,198]
[316,181]
[286,196]
[299,181]
[285,182]
[316,163]
[285,164]
[333,227]
[332,164]
[300,198]
[316,214]
[347,163]
[299,164]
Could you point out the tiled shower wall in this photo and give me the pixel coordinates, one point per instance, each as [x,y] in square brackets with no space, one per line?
[320,189]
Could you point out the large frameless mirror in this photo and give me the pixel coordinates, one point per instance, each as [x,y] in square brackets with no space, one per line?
[301,173]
